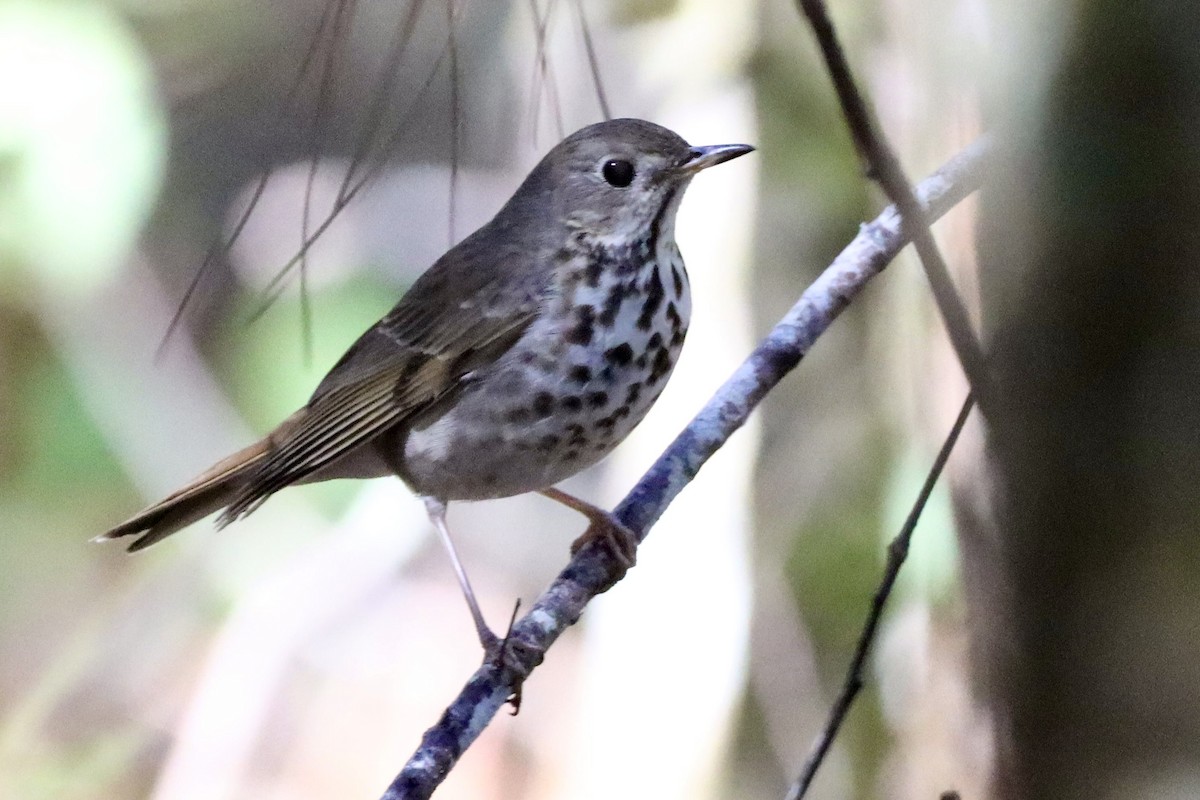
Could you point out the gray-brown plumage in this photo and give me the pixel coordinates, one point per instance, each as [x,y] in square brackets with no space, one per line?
[524,354]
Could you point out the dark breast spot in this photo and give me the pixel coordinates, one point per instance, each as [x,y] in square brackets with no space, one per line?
[591,273]
[612,304]
[620,355]
[654,299]
[677,279]
[597,399]
[581,332]
[572,403]
[662,365]
[543,404]
[580,373]
[662,360]
[576,435]
[673,317]
[548,443]
[631,396]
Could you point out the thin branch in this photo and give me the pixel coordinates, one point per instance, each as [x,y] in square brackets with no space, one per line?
[897,552]
[455,119]
[365,149]
[221,247]
[275,286]
[316,130]
[593,569]
[385,92]
[593,62]
[884,167]
[543,76]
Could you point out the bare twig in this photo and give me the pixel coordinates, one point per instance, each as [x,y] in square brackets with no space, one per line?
[593,569]
[351,188]
[316,131]
[455,120]
[220,248]
[897,552]
[543,75]
[589,46]
[368,151]
[883,166]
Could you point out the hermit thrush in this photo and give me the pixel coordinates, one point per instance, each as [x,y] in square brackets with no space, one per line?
[523,355]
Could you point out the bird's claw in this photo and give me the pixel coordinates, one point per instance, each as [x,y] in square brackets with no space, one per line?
[512,657]
[610,533]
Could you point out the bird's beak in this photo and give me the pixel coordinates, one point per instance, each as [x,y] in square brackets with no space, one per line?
[710,155]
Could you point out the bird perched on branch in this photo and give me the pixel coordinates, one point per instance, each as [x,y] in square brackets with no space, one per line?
[523,355]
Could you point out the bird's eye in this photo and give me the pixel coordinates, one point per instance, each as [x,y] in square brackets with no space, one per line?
[618,172]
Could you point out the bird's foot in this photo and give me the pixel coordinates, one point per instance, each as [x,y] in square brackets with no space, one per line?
[617,539]
[512,656]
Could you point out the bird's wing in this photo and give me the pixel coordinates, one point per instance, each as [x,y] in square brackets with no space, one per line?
[446,326]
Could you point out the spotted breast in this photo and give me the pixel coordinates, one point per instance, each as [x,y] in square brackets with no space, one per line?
[576,383]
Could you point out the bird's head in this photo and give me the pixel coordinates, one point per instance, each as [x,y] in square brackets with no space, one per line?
[619,178]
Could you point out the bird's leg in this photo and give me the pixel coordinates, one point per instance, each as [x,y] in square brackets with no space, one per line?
[507,653]
[619,540]
[437,515]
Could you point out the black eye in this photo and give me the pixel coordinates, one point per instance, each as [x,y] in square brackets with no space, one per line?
[618,172]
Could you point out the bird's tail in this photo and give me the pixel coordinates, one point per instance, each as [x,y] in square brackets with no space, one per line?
[209,492]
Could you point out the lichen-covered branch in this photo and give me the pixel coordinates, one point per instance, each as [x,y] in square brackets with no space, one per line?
[593,569]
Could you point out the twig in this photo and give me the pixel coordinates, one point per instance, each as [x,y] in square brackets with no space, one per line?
[897,552]
[593,569]
[884,167]
[593,62]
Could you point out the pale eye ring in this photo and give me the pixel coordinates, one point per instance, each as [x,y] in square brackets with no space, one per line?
[617,172]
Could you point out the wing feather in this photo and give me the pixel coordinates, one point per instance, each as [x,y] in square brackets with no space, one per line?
[414,356]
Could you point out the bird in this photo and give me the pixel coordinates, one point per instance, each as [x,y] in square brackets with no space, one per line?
[523,355]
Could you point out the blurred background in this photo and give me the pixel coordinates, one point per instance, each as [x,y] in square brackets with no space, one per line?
[301,653]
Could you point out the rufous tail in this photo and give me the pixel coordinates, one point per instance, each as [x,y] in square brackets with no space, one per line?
[209,492]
